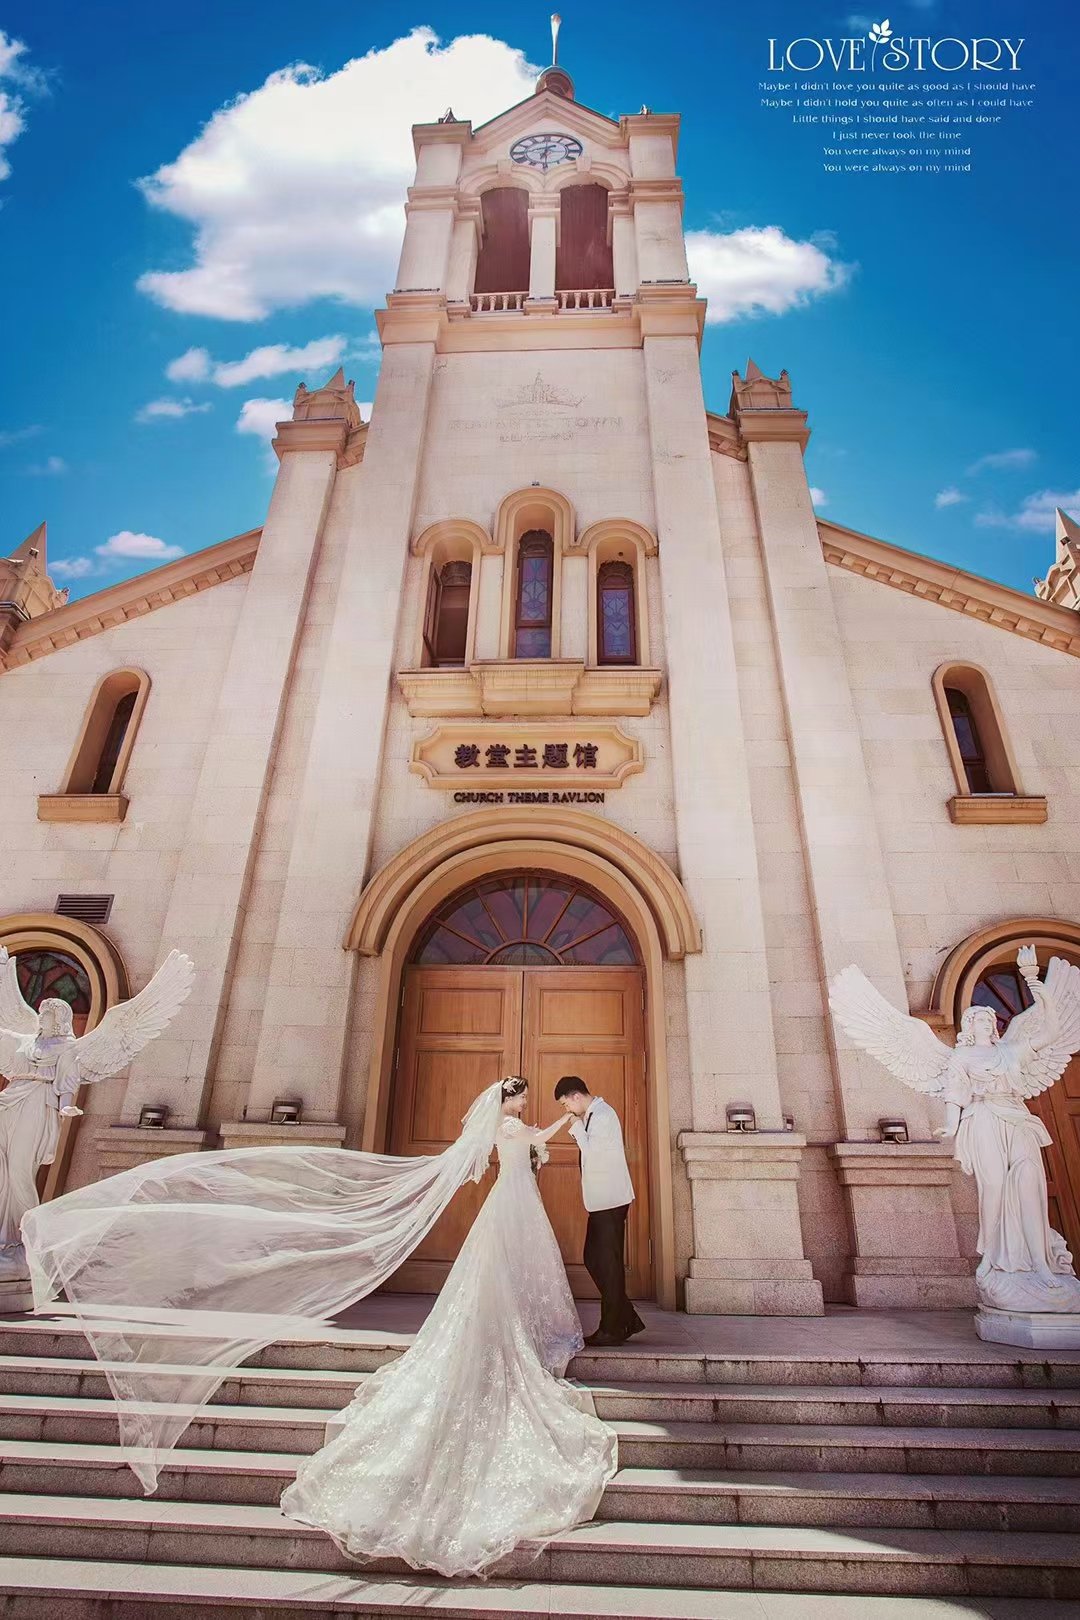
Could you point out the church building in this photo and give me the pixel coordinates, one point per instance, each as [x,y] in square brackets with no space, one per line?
[542,727]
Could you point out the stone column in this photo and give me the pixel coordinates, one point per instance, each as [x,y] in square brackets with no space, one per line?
[747,1238]
[464,248]
[852,906]
[206,908]
[543,245]
[304,1029]
[623,245]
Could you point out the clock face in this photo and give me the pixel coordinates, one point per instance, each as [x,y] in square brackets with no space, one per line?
[545,151]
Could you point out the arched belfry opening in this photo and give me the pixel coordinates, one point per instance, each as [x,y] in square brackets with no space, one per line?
[583,261]
[502,264]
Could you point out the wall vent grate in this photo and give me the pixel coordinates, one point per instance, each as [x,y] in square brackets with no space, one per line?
[87,908]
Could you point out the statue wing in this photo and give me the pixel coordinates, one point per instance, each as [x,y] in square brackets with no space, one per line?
[1050,1029]
[15,1014]
[906,1046]
[131,1025]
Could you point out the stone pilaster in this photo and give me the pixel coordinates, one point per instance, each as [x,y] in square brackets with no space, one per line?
[732,1050]
[206,907]
[845,867]
[746,1204]
[306,1011]
[905,1251]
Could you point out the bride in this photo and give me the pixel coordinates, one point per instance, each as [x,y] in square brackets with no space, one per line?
[467,1445]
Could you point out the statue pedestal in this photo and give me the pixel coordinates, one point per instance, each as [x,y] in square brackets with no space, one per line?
[1032,1330]
[745,1201]
[16,1296]
[905,1252]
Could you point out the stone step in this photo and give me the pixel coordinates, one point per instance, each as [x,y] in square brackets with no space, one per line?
[357,1351]
[653,1495]
[102,1591]
[820,1448]
[741,1557]
[328,1390]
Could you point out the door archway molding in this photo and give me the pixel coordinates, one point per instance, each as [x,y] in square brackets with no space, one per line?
[645,871]
[642,888]
[989,947]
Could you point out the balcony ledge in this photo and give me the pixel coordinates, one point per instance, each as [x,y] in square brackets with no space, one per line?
[545,687]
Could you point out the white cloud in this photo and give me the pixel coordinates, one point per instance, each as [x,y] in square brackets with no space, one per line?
[120,546]
[163,410]
[295,190]
[71,567]
[760,270]
[999,459]
[1035,514]
[274,359]
[128,544]
[191,366]
[364,406]
[950,496]
[818,496]
[16,74]
[51,467]
[16,435]
[261,416]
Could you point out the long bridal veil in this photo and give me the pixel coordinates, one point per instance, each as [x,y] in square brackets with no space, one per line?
[243,1238]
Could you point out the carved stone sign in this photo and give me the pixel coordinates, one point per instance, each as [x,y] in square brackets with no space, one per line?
[516,755]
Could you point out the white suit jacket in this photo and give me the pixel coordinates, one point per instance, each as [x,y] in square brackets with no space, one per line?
[605,1177]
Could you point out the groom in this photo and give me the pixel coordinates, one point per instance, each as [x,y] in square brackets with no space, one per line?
[608,1193]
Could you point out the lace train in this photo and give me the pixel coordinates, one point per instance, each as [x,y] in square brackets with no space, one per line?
[473,1441]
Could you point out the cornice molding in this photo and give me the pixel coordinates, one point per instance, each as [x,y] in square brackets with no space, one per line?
[131,599]
[982,599]
[724,436]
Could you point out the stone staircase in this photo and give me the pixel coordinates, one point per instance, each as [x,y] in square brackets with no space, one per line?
[786,1486]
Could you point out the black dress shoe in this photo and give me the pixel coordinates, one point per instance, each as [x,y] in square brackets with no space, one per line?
[638,1327]
[600,1339]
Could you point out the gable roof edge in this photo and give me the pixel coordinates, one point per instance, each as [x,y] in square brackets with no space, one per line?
[951,587]
[131,598]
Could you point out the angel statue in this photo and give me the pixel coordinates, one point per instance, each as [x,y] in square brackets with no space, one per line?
[45,1064]
[984,1082]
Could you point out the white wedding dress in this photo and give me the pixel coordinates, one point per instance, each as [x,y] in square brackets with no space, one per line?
[471,1442]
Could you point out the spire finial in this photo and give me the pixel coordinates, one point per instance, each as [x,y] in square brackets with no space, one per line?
[556,24]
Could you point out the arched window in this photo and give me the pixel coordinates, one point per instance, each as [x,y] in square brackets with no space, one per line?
[446,623]
[104,747]
[974,733]
[616,616]
[502,264]
[44,973]
[526,919]
[533,595]
[583,259]
[968,741]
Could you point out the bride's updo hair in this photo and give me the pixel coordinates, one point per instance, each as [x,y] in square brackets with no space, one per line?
[513,1086]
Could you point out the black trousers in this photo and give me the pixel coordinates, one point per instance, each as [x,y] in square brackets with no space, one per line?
[605,1261]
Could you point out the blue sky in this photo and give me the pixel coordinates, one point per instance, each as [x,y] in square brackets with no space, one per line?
[929,324]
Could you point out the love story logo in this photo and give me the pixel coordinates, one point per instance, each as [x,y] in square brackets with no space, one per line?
[896,53]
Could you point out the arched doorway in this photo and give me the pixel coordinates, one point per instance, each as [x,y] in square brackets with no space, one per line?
[63,957]
[533,972]
[1002,988]
[981,971]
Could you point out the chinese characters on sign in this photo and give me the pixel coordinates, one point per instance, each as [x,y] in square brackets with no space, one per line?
[553,756]
[526,757]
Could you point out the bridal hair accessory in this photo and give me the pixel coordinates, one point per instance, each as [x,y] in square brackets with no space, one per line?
[513,1086]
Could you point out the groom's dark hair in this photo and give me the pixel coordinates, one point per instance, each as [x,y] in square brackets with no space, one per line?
[571,1085]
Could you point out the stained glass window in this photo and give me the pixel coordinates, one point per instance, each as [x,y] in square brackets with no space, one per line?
[531,919]
[617,626]
[1004,992]
[969,741]
[535,575]
[51,973]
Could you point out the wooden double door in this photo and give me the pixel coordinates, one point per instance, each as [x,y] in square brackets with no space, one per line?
[462,1028]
